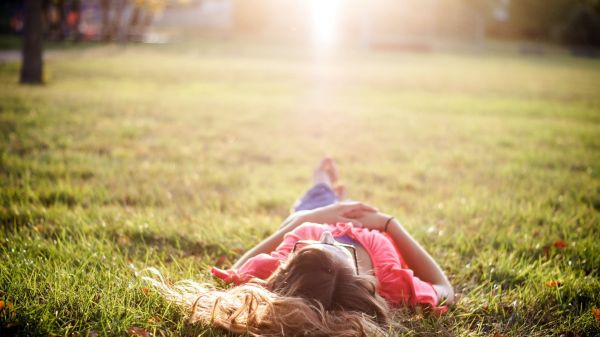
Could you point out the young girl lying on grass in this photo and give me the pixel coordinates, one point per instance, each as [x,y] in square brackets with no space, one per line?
[332,269]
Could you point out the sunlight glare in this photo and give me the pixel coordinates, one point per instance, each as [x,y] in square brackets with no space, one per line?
[324,14]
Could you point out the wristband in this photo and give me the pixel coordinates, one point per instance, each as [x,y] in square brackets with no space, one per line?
[387,223]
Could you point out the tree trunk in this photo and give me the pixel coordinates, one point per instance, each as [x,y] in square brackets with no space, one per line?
[117,25]
[132,28]
[146,23]
[32,64]
[105,10]
[63,25]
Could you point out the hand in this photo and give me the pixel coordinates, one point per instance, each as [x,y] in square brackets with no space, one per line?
[340,212]
[374,220]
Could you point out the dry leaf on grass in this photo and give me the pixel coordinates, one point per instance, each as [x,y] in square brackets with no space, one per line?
[552,283]
[123,240]
[139,332]
[6,305]
[596,312]
[7,309]
[560,244]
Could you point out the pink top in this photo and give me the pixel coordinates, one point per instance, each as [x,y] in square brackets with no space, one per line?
[397,283]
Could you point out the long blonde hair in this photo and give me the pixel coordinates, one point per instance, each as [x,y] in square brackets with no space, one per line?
[310,295]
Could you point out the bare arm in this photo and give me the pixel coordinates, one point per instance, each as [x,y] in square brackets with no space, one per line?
[422,264]
[269,244]
[417,258]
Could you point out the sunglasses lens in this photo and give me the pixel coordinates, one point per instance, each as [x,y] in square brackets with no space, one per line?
[348,249]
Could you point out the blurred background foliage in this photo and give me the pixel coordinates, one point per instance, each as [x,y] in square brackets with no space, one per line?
[568,22]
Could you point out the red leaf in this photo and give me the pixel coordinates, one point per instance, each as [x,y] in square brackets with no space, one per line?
[221,260]
[145,290]
[139,332]
[560,244]
[552,284]
[497,334]
[596,312]
[8,308]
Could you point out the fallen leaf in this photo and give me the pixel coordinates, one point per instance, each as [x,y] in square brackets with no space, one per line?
[140,332]
[221,260]
[145,290]
[560,244]
[154,319]
[7,309]
[569,334]
[497,334]
[552,284]
[123,240]
[39,228]
[596,312]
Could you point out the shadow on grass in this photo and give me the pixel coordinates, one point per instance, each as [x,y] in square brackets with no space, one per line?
[174,246]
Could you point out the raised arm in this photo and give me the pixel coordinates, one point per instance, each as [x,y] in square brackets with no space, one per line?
[417,258]
[269,244]
[422,264]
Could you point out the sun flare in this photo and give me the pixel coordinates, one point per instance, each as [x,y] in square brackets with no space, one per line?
[324,14]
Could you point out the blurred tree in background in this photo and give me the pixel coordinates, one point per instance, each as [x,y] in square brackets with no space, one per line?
[128,20]
[581,30]
[32,63]
[572,22]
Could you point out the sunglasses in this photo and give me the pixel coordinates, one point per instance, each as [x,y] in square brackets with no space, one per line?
[350,248]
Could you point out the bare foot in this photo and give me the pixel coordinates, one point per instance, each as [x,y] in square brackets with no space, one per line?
[326,173]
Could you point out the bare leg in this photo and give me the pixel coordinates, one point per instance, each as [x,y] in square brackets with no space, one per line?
[327,173]
[326,189]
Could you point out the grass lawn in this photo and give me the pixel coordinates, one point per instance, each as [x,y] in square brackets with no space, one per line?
[177,156]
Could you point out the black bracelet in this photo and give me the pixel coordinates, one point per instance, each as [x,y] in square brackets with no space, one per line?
[387,223]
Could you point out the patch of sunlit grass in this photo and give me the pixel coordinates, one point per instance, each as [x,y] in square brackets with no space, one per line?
[180,160]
